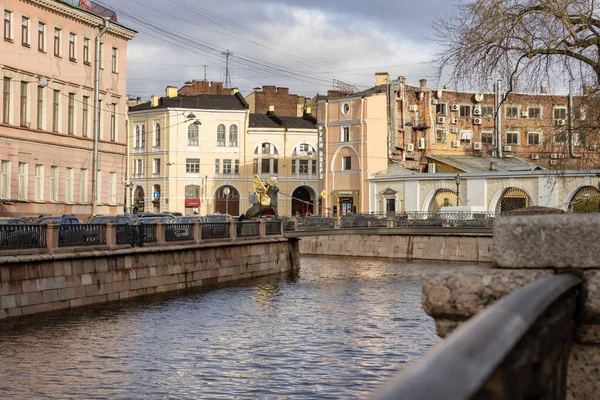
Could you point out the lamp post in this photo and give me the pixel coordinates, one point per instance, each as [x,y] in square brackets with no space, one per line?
[226,192]
[457,179]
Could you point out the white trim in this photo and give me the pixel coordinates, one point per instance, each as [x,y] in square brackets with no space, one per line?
[333,157]
[499,193]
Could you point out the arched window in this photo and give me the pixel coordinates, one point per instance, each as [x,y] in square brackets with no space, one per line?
[304,149]
[193,134]
[267,164]
[138,136]
[233,135]
[266,148]
[157,135]
[221,135]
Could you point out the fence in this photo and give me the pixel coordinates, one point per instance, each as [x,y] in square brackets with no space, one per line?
[273,228]
[215,230]
[248,229]
[22,236]
[81,235]
[179,232]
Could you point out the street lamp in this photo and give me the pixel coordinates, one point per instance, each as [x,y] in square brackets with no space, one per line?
[226,192]
[457,179]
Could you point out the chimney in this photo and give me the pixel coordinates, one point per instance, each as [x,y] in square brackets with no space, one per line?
[299,110]
[423,83]
[234,91]
[381,78]
[283,90]
[308,110]
[544,89]
[493,166]
[271,107]
[153,101]
[171,91]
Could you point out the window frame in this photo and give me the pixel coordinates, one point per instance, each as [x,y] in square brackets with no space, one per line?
[559,108]
[346,163]
[57,40]
[534,134]
[462,111]
[157,134]
[8,18]
[6,99]
[71,114]
[55,110]
[23,103]
[529,112]
[512,116]
[441,109]
[85,115]
[156,166]
[25,36]
[83,195]
[192,165]
[22,181]
[40,108]
[193,134]
[233,135]
[86,51]
[344,134]
[72,46]
[41,37]
[516,134]
[444,139]
[54,177]
[115,60]
[227,166]
[221,132]
[113,122]
[487,134]
[5,179]
[39,183]
[69,175]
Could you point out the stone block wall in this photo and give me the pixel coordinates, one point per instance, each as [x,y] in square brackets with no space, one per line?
[41,283]
[463,248]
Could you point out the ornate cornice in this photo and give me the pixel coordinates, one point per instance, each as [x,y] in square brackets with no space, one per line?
[83,16]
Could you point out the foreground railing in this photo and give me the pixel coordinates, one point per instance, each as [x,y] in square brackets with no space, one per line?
[248,229]
[215,230]
[81,235]
[273,228]
[179,232]
[516,349]
[22,236]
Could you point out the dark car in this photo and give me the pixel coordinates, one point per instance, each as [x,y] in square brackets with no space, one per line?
[113,219]
[167,218]
[127,232]
[173,213]
[17,232]
[58,219]
[71,230]
[189,219]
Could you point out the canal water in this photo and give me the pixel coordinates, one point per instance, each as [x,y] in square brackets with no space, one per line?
[337,329]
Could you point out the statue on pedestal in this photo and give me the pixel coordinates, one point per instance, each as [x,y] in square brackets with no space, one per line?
[266,196]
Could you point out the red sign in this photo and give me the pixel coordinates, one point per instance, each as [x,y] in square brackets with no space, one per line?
[84,4]
[192,202]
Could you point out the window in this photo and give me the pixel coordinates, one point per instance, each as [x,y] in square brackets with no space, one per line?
[533,138]
[236,167]
[5,179]
[112,188]
[86,51]
[6,101]
[22,175]
[487,111]
[346,163]
[345,108]
[69,186]
[157,135]
[390,206]
[534,112]
[143,144]
[560,137]
[138,168]
[40,107]
[54,184]
[71,114]
[345,134]
[227,167]
[55,110]
[313,168]
[156,166]
[83,179]
[138,136]
[466,136]
[303,166]
[23,103]
[57,34]
[266,148]
[441,136]
[25,31]
[512,112]
[193,134]
[192,165]
[115,60]
[41,37]
[441,109]
[487,137]
[217,166]
[113,122]
[72,46]
[560,113]
[304,149]
[221,135]
[267,166]
[8,25]
[84,116]
[465,111]
[233,135]
[512,138]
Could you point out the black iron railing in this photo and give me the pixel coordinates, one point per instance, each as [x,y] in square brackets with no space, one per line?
[127,234]
[178,232]
[81,235]
[146,233]
[22,236]
[273,228]
[215,230]
[248,229]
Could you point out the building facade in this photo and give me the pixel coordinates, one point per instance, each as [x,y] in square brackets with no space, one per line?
[47,120]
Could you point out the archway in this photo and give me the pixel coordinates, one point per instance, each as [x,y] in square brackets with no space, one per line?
[512,199]
[303,201]
[227,201]
[139,200]
[443,198]
[585,200]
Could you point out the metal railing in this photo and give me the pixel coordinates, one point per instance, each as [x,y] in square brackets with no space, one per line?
[248,229]
[539,318]
[81,235]
[22,236]
[273,228]
[215,230]
[127,234]
[178,232]
[147,233]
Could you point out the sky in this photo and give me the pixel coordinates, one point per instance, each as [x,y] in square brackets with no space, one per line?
[300,44]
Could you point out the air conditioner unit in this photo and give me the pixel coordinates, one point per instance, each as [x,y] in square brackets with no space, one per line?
[410,147]
[560,122]
[477,121]
[454,121]
[412,107]
[535,156]
[477,146]
[554,156]
[454,107]
[561,156]
[476,110]
[524,114]
[455,143]
[508,148]
[553,162]
[441,120]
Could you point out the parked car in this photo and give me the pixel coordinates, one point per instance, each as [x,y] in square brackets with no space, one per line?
[57,219]
[189,219]
[173,213]
[113,219]
[127,231]
[167,217]
[153,220]
[15,232]
[218,218]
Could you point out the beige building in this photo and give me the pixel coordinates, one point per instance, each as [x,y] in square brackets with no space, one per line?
[47,120]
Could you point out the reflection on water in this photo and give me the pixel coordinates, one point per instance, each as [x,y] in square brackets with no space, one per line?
[336,330]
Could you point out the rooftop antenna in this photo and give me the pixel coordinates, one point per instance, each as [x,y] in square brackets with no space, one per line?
[227,80]
[204,72]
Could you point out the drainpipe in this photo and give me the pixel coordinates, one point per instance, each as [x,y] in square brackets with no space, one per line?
[97,119]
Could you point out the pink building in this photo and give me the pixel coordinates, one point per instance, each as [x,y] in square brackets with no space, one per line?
[47,108]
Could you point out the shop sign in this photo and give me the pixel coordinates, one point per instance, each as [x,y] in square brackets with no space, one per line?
[321,152]
[78,3]
[192,202]
[344,193]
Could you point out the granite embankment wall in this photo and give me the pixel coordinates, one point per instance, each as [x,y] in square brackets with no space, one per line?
[46,282]
[437,247]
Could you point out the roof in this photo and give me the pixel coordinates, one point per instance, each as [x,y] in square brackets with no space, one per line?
[395,171]
[199,102]
[272,120]
[373,90]
[482,164]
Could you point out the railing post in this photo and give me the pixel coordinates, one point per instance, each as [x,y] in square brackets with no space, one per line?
[197,229]
[390,222]
[160,233]
[233,230]
[262,228]
[52,237]
[337,222]
[111,235]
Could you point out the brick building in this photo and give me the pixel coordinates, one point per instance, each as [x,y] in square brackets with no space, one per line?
[195,88]
[279,100]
